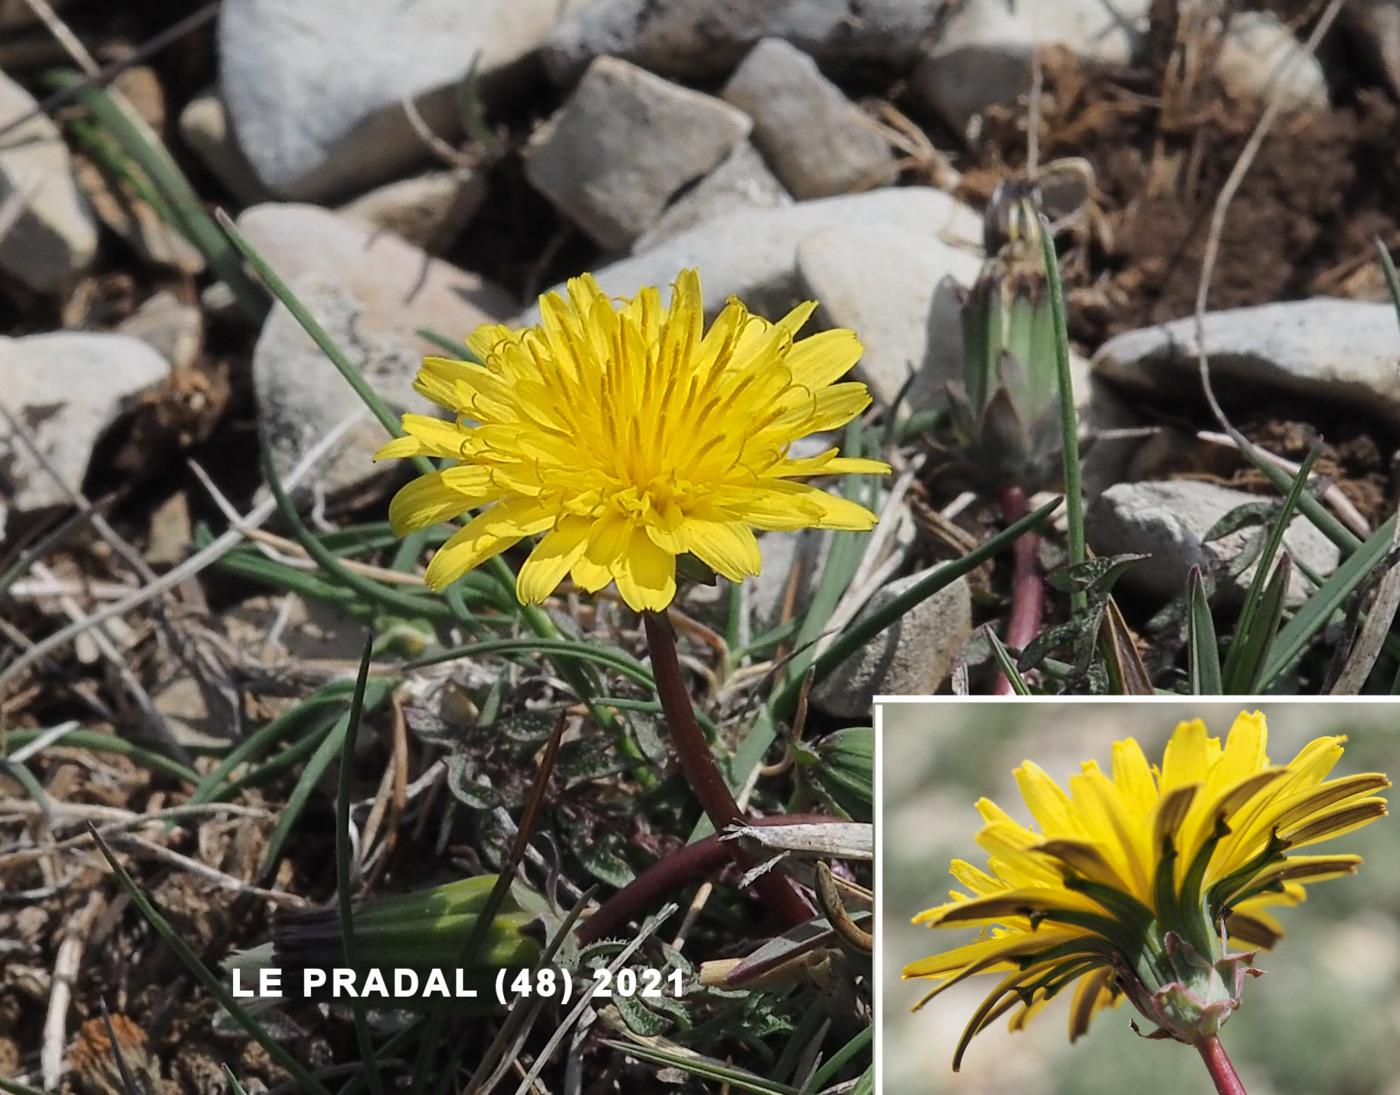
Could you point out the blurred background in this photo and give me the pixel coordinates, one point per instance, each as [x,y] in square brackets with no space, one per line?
[1324,1018]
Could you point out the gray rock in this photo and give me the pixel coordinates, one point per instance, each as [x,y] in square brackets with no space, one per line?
[301,396]
[429,210]
[753,253]
[1253,53]
[54,238]
[982,54]
[1375,26]
[912,657]
[397,288]
[741,181]
[900,296]
[204,127]
[314,87]
[67,388]
[1342,351]
[782,552]
[623,145]
[1167,520]
[704,39]
[818,141]
[172,328]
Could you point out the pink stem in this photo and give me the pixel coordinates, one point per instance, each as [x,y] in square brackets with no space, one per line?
[668,875]
[1027,583]
[1227,1080]
[701,772]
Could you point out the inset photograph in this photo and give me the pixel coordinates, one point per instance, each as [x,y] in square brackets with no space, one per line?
[1177,897]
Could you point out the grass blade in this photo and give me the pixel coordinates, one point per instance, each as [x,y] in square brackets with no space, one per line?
[838,1060]
[342,865]
[179,199]
[1251,646]
[862,631]
[1124,663]
[379,691]
[1069,414]
[1202,646]
[1325,602]
[721,1074]
[1007,663]
[1233,672]
[99,742]
[201,973]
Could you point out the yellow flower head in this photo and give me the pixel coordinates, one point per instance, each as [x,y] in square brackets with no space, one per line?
[1140,882]
[627,435]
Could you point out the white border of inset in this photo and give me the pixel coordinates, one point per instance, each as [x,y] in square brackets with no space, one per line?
[877,721]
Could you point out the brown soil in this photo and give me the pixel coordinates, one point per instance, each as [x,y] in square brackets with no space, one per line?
[1303,223]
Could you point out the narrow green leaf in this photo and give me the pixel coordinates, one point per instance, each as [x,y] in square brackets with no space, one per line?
[179,198]
[863,630]
[379,690]
[832,1068]
[201,973]
[1246,634]
[1326,601]
[1202,646]
[706,1068]
[99,742]
[1007,663]
[343,853]
[1252,646]
[1069,414]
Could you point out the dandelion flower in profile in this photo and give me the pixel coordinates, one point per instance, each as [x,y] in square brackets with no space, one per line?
[624,435]
[1149,883]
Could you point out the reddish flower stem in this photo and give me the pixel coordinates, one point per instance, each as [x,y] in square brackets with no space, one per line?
[1027,583]
[1227,1080]
[698,766]
[668,874]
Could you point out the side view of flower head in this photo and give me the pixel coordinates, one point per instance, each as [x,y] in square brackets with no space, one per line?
[1154,883]
[624,435]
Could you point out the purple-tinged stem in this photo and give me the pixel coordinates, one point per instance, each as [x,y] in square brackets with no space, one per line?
[701,772]
[1027,583]
[1227,1080]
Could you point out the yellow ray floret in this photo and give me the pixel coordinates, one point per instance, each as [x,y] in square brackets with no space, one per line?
[1124,879]
[624,434]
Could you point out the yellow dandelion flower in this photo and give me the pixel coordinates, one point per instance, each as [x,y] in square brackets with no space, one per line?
[624,434]
[1149,883]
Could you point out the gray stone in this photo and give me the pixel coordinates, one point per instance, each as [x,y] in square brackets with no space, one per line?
[623,145]
[982,54]
[54,238]
[397,288]
[68,389]
[818,141]
[204,127]
[301,396]
[704,39]
[314,87]
[742,181]
[911,657]
[172,328]
[1167,520]
[429,210]
[1342,351]
[1254,51]
[752,254]
[783,552]
[900,297]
